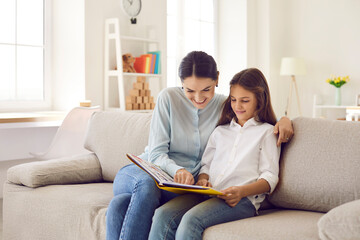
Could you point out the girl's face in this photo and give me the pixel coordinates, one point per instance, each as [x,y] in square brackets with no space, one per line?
[199,90]
[243,103]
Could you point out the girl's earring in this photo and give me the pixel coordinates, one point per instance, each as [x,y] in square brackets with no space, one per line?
[216,85]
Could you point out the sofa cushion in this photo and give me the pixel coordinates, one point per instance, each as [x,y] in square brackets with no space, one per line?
[82,168]
[319,167]
[270,225]
[56,211]
[341,223]
[113,134]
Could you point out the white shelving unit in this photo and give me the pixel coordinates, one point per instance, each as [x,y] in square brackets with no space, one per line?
[112,33]
[344,110]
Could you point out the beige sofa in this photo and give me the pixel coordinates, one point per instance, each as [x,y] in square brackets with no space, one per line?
[67,198]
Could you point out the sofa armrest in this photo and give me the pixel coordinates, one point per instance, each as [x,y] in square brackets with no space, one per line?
[83,168]
[341,223]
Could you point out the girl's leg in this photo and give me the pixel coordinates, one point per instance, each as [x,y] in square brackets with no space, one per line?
[168,216]
[136,198]
[209,213]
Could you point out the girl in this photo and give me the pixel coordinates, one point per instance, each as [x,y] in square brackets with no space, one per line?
[182,122]
[241,158]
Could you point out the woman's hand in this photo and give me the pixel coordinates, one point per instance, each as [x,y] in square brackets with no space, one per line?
[183,176]
[285,130]
[204,183]
[232,195]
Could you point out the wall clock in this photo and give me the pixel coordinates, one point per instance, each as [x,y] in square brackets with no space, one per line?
[132,8]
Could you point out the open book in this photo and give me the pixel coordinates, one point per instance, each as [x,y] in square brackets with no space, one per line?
[166,182]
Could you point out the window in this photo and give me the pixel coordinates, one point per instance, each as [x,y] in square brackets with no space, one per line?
[190,26]
[23,53]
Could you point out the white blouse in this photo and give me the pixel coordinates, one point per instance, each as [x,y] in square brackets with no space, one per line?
[236,156]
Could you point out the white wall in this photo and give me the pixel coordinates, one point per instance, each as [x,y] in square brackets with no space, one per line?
[152,16]
[325,33]
[232,50]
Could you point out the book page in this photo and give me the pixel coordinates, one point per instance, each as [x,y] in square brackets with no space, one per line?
[166,182]
[157,173]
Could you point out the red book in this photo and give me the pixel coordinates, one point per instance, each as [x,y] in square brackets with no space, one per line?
[148,62]
[140,64]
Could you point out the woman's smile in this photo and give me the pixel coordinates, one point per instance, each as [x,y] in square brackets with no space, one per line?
[200,102]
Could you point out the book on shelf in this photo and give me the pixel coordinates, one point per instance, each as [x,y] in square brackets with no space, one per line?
[157,62]
[140,64]
[148,63]
[166,182]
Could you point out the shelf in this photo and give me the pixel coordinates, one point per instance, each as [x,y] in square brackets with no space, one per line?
[139,39]
[31,117]
[115,73]
[134,111]
[331,106]
[141,45]
[142,75]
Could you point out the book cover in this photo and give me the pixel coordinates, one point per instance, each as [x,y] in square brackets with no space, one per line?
[140,64]
[153,63]
[166,182]
[157,62]
[148,62]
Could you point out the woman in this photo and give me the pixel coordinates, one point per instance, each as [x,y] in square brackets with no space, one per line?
[182,122]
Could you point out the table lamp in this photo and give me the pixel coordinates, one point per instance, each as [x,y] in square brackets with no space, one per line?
[292,66]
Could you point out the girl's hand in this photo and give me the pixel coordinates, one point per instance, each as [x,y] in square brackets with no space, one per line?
[204,183]
[183,176]
[285,129]
[232,195]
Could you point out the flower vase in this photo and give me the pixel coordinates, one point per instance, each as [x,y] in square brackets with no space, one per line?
[338,97]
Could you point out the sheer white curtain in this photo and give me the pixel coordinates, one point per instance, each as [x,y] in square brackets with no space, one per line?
[191,25]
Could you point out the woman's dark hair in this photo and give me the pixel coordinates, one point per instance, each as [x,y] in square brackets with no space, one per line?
[199,64]
[254,81]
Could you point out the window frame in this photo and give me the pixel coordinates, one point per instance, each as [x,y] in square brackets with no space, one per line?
[46,103]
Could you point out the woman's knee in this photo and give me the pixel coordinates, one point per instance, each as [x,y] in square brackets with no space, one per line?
[130,178]
[118,207]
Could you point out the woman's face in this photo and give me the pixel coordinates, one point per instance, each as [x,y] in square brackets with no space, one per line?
[199,90]
[243,103]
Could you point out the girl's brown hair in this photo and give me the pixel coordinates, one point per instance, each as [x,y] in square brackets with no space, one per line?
[254,81]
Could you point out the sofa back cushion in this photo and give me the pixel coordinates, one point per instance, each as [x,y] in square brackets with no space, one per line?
[320,166]
[113,134]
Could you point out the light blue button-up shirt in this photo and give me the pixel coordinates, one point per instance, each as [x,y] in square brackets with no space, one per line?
[179,131]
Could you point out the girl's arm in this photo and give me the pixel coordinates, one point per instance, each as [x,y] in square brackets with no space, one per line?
[208,156]
[233,195]
[203,180]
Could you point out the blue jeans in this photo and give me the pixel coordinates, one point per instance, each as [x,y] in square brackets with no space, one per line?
[187,216]
[136,197]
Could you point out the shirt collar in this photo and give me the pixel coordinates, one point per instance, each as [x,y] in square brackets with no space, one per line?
[250,122]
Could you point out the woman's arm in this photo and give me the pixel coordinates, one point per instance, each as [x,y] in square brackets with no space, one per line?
[285,130]
[159,136]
